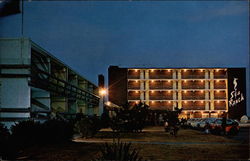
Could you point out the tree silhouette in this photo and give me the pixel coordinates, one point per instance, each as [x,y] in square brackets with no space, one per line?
[130,118]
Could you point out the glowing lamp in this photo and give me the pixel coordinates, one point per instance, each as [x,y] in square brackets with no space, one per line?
[102,92]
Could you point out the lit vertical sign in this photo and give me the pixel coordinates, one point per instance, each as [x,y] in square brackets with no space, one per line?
[236,92]
[236,95]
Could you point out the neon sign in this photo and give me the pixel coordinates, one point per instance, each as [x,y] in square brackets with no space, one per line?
[236,95]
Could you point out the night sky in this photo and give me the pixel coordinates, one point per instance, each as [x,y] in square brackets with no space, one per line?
[90,36]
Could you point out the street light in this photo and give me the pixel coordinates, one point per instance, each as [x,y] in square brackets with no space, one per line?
[103,92]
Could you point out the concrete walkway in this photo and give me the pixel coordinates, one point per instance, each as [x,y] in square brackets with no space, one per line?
[157,143]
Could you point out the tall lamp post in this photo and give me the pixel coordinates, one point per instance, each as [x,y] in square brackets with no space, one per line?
[102,92]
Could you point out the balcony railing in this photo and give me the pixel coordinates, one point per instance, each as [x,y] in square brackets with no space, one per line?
[219,97]
[192,98]
[193,87]
[220,107]
[194,108]
[220,86]
[133,87]
[220,76]
[193,76]
[160,76]
[133,98]
[160,97]
[133,76]
[160,87]
[167,97]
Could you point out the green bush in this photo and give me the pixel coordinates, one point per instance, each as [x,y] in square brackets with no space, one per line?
[119,151]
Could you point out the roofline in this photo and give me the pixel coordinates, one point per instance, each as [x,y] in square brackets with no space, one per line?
[33,44]
[195,67]
[36,46]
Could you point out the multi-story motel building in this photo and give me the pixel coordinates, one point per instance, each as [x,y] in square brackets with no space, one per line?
[34,84]
[201,92]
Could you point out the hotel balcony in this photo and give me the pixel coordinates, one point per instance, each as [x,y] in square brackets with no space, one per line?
[189,95]
[219,84]
[133,85]
[161,97]
[220,74]
[193,107]
[220,95]
[160,74]
[134,95]
[134,74]
[193,74]
[190,105]
[157,105]
[160,85]
[220,105]
[193,85]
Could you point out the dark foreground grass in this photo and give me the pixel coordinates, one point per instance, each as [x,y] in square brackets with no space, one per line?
[88,151]
[188,145]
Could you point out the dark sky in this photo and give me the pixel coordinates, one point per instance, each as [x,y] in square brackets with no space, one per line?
[90,36]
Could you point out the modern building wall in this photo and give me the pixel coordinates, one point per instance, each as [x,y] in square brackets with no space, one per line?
[117,89]
[34,84]
[201,92]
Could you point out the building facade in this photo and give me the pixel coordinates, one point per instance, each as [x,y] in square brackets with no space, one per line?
[201,92]
[34,84]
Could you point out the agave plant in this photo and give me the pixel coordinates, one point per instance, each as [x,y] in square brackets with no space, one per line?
[119,151]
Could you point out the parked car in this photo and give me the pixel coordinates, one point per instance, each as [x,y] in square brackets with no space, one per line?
[192,122]
[204,121]
[231,128]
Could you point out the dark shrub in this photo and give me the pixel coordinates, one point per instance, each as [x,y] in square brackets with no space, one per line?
[130,118]
[171,117]
[88,126]
[56,131]
[26,133]
[5,150]
[119,151]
